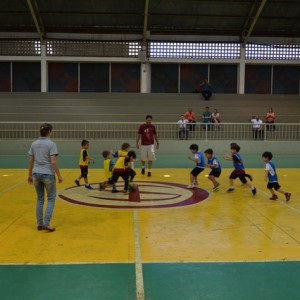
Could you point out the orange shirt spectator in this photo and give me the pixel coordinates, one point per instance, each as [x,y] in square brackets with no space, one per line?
[190,116]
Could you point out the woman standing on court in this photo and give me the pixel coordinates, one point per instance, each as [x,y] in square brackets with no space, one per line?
[41,172]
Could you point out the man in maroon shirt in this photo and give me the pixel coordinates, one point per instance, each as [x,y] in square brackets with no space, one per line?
[147,134]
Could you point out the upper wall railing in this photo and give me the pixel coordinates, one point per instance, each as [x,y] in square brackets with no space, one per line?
[123,131]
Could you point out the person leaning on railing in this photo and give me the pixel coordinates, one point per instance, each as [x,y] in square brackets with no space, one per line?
[270,119]
[190,116]
[257,128]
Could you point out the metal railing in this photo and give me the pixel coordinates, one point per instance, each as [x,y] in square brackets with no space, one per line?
[166,131]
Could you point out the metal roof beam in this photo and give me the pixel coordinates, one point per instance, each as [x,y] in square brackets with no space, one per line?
[34,10]
[250,23]
[146,14]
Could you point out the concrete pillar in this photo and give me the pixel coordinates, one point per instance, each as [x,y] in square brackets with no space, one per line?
[44,75]
[145,78]
[241,73]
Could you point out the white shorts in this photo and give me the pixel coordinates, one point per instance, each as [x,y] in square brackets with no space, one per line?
[148,152]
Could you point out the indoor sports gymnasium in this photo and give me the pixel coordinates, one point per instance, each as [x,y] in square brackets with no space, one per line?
[149,150]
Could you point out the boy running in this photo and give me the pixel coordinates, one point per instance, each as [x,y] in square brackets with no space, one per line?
[272,178]
[213,163]
[239,169]
[200,165]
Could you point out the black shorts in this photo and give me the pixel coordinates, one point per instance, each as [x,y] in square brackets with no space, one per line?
[240,176]
[273,185]
[215,173]
[84,171]
[196,171]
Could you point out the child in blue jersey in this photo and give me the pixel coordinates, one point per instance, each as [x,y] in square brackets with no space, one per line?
[239,169]
[213,163]
[271,177]
[200,165]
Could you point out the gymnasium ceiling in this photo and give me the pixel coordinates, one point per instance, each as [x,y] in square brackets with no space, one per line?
[241,19]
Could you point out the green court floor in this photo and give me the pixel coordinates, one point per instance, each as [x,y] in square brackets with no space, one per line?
[162,281]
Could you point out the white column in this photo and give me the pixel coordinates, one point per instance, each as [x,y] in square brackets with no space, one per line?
[44,74]
[241,73]
[145,78]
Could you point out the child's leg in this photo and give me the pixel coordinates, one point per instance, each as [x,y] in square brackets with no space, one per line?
[131,174]
[287,195]
[126,180]
[192,178]
[245,182]
[113,181]
[214,181]
[281,191]
[272,192]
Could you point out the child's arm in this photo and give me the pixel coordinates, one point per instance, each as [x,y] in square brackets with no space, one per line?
[111,165]
[266,175]
[227,155]
[90,159]
[86,157]
[215,165]
[195,159]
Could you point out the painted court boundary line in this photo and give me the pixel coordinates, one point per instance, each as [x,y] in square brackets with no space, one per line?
[280,201]
[140,292]
[154,262]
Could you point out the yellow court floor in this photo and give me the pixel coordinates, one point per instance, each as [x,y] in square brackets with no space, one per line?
[93,227]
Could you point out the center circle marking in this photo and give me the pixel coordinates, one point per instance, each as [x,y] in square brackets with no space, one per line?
[150,194]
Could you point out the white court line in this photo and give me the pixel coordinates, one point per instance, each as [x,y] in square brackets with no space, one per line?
[12,187]
[281,202]
[140,293]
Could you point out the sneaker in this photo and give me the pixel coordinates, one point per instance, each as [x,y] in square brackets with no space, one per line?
[274,197]
[215,189]
[40,227]
[143,171]
[48,228]
[115,191]
[253,191]
[149,174]
[230,190]
[77,182]
[191,186]
[88,187]
[288,196]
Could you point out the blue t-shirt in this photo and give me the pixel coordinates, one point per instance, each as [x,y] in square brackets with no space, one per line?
[41,150]
[272,176]
[214,161]
[238,162]
[201,160]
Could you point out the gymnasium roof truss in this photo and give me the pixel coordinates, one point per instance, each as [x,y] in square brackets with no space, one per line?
[37,19]
[253,17]
[244,21]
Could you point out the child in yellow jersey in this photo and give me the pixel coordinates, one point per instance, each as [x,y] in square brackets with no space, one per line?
[84,161]
[108,166]
[120,170]
[125,148]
